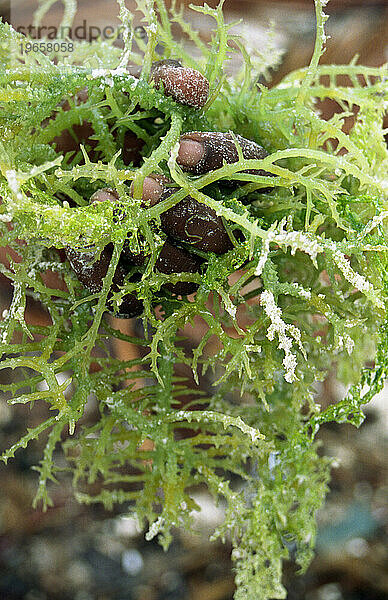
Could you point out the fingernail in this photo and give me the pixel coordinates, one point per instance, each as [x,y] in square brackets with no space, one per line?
[153,188]
[105,194]
[190,153]
[109,195]
[134,70]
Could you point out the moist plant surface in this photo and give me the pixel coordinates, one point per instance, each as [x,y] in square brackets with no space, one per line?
[298,291]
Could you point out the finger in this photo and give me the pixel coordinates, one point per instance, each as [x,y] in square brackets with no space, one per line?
[201,151]
[188,221]
[176,260]
[183,84]
[130,305]
[91,273]
[109,195]
[195,223]
[172,259]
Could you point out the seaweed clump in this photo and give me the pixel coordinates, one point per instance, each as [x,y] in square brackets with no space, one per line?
[301,291]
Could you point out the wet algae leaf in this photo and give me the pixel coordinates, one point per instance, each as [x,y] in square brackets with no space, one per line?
[299,289]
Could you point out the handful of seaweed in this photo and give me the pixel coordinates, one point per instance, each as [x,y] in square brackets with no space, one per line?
[298,287]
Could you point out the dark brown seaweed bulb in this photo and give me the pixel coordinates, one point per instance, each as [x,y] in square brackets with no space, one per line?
[195,223]
[204,151]
[183,84]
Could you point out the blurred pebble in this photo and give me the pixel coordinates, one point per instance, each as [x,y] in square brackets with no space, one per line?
[83,595]
[330,591]
[79,574]
[215,570]
[171,580]
[145,592]
[109,545]
[132,562]
[35,595]
[210,515]
[357,547]
[43,555]
[126,527]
